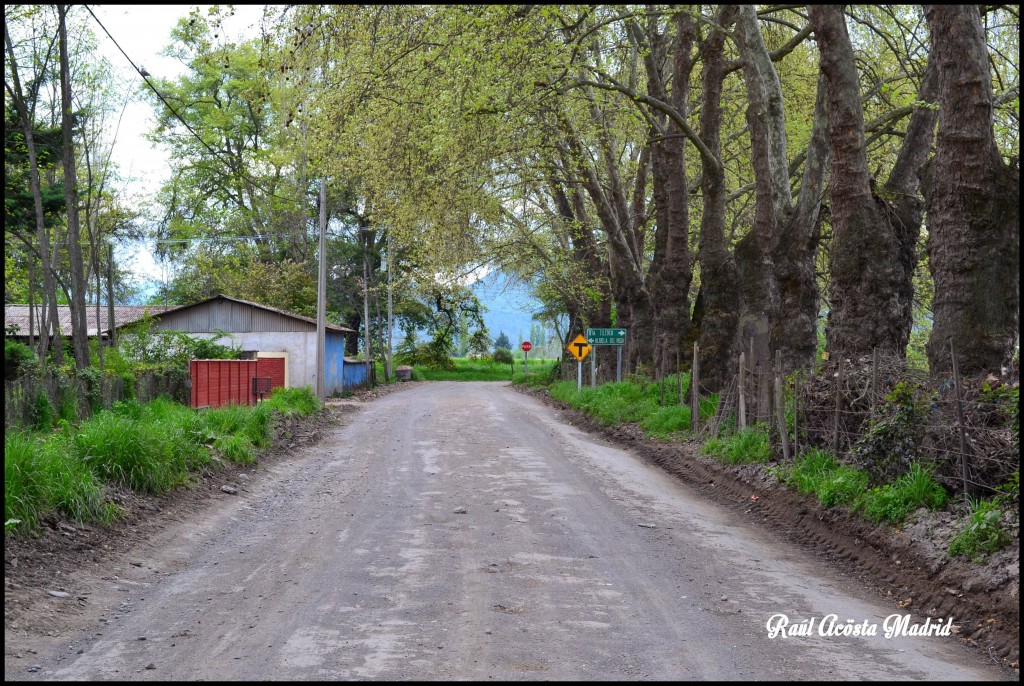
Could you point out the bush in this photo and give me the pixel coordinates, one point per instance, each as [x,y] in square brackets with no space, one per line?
[502,355]
[890,444]
[18,360]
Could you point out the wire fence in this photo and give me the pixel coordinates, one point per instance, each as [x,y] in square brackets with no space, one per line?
[31,401]
[873,413]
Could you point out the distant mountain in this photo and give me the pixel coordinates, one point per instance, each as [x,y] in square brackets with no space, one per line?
[509,308]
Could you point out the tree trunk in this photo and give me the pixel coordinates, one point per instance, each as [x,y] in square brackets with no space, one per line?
[973,207]
[48,300]
[775,260]
[715,312]
[79,328]
[869,304]
[671,270]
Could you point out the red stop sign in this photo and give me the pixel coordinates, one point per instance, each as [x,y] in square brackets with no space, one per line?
[526,346]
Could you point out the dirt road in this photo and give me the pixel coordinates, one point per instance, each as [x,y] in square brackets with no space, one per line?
[461,531]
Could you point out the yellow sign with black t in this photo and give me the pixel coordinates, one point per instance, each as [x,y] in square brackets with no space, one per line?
[579,348]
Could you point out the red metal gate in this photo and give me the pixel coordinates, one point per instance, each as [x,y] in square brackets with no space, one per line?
[222,382]
[272,367]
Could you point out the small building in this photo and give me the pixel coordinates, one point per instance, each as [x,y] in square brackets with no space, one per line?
[283,343]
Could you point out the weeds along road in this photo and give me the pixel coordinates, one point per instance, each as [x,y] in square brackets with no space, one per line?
[461,531]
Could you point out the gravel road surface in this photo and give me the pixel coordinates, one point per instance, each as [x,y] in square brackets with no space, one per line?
[462,531]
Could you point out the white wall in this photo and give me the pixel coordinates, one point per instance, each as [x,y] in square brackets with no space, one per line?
[300,346]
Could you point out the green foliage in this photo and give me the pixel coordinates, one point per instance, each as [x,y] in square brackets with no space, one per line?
[748,445]
[890,444]
[41,476]
[502,341]
[982,535]
[667,420]
[42,412]
[817,472]
[293,401]
[19,359]
[502,355]
[1007,398]
[893,502]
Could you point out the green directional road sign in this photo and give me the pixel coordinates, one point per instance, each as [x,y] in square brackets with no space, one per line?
[606,336]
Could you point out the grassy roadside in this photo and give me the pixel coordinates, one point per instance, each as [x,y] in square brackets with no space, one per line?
[150,448]
[814,471]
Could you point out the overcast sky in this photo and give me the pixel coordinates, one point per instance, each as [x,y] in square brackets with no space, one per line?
[143,31]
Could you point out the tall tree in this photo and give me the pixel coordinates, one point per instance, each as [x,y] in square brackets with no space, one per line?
[79,330]
[775,260]
[973,206]
[872,253]
[24,103]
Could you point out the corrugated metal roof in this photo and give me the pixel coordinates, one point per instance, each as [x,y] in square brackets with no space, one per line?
[123,314]
[328,325]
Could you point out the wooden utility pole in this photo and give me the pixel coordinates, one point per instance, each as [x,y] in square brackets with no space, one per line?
[321,300]
[364,234]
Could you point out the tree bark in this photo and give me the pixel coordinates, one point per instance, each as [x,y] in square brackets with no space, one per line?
[775,260]
[671,270]
[79,330]
[715,313]
[869,303]
[973,207]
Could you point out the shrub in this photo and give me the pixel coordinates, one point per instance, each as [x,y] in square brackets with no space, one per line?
[890,444]
[19,359]
[502,355]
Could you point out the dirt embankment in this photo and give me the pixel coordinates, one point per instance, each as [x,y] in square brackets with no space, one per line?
[909,566]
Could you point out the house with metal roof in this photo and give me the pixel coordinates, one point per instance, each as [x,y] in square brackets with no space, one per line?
[16,317]
[283,343]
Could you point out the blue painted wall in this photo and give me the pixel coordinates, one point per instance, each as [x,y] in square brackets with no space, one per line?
[334,356]
[355,374]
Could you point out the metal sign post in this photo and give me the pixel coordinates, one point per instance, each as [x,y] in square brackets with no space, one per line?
[593,369]
[579,348]
[526,347]
[616,337]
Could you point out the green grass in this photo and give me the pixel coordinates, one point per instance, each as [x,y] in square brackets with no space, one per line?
[817,472]
[745,446]
[149,448]
[483,370]
[893,502]
[42,475]
[628,401]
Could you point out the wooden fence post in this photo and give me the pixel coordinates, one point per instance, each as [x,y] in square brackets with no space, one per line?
[839,396]
[874,379]
[796,414]
[960,420]
[695,388]
[780,409]
[743,399]
[679,378]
